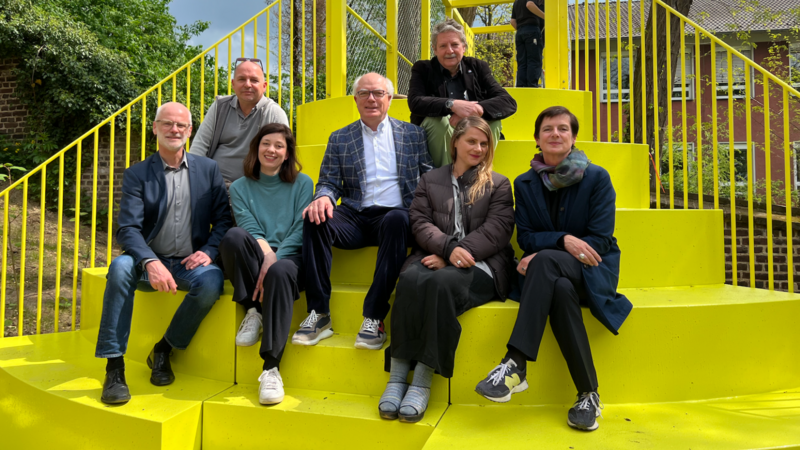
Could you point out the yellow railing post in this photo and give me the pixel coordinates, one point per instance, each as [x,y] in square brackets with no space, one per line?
[556,35]
[425,30]
[391,36]
[336,46]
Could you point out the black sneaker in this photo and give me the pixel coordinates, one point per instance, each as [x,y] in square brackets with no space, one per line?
[584,413]
[503,380]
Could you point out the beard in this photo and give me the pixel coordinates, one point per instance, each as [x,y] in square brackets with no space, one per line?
[170,145]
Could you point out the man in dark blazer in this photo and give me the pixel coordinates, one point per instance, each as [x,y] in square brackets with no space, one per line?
[451,86]
[173,214]
[373,165]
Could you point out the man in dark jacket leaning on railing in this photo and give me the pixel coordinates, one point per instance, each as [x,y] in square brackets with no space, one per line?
[451,86]
[173,215]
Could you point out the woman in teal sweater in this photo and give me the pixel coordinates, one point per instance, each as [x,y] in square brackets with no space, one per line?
[261,256]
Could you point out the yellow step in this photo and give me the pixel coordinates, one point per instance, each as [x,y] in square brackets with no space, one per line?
[333,365]
[50,388]
[317,120]
[764,421]
[659,248]
[678,344]
[308,419]
[626,163]
[211,353]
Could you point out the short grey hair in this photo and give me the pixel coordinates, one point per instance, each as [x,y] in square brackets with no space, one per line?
[389,85]
[158,111]
[449,25]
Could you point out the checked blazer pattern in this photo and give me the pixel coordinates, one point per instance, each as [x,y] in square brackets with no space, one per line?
[343,174]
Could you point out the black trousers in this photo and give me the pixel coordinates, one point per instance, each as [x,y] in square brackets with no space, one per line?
[425,325]
[241,259]
[349,229]
[554,287]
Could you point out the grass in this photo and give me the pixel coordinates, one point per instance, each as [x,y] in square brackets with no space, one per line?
[31,309]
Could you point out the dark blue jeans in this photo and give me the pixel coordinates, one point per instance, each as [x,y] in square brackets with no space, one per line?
[349,229]
[204,286]
[529,41]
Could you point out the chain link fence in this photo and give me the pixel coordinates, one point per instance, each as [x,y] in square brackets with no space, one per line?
[365,51]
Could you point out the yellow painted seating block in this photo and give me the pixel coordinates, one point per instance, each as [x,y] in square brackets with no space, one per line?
[317,120]
[333,365]
[659,248]
[309,419]
[210,355]
[678,344]
[626,163]
[50,388]
[764,421]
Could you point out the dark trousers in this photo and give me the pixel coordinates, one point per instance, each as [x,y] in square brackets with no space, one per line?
[425,325]
[349,229]
[529,41]
[554,287]
[241,259]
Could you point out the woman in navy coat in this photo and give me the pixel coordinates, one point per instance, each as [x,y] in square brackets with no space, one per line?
[565,208]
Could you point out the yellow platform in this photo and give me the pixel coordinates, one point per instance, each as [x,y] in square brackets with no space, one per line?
[678,344]
[317,120]
[306,418]
[50,390]
[766,421]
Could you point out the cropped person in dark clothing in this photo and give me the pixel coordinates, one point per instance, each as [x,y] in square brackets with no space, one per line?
[451,86]
[262,254]
[462,217]
[527,17]
[565,222]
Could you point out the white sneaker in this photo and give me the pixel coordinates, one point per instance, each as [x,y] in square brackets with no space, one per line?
[249,329]
[270,392]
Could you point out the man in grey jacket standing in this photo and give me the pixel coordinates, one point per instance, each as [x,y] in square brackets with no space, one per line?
[232,121]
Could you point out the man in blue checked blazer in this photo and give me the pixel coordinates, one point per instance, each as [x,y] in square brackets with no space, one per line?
[373,165]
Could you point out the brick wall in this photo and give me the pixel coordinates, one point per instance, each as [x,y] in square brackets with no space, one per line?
[760,250]
[13,115]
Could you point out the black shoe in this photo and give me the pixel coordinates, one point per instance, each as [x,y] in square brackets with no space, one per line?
[115,388]
[583,414]
[502,381]
[162,371]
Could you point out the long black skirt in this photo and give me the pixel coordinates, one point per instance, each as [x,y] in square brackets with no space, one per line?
[427,303]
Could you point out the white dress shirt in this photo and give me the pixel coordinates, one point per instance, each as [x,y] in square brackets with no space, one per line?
[380,161]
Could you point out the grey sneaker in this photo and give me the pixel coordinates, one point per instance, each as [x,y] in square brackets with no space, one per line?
[315,328]
[584,413]
[372,335]
[502,381]
[249,329]
[270,391]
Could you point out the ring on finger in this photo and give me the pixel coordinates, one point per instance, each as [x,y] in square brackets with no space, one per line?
[458,263]
[582,256]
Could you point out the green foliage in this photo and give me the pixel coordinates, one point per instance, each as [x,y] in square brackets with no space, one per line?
[82,60]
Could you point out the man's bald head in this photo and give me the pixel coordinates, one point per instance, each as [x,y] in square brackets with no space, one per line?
[174,106]
[248,84]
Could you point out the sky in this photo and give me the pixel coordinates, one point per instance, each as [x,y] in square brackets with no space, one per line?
[222,15]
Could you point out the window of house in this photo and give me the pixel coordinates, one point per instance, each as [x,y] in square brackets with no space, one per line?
[737,78]
[614,90]
[623,91]
[795,150]
[740,162]
[794,65]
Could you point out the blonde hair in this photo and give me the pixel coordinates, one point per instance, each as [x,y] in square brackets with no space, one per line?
[483,176]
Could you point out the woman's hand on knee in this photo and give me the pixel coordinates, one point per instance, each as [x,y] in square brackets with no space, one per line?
[582,251]
[522,267]
[269,259]
[461,258]
[433,262]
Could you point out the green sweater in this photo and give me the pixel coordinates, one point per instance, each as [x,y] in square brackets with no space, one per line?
[271,209]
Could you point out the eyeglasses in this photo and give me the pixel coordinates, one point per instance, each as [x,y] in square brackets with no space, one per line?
[377,93]
[252,60]
[168,124]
